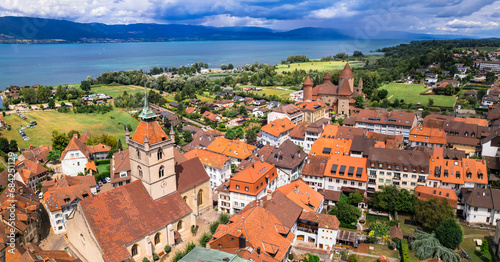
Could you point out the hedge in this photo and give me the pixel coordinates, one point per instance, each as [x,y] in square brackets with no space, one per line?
[348,226]
[404,251]
[102,162]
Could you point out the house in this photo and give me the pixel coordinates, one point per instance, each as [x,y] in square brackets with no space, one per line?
[454,82]
[288,159]
[192,129]
[26,226]
[170,120]
[31,173]
[202,140]
[427,136]
[99,229]
[345,173]
[317,228]
[260,112]
[387,122]
[173,104]
[78,157]
[306,134]
[211,255]
[361,145]
[471,92]
[237,99]
[217,166]
[250,184]
[190,110]
[313,110]
[236,150]
[277,131]
[330,146]
[456,174]
[36,254]
[488,65]
[273,104]
[341,98]
[120,171]
[260,102]
[211,116]
[223,103]
[289,111]
[36,154]
[298,134]
[62,196]
[425,193]
[303,195]
[297,95]
[314,170]
[256,228]
[431,75]
[331,197]
[481,205]
[491,144]
[402,168]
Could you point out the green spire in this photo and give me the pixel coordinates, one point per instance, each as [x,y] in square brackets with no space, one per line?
[146,112]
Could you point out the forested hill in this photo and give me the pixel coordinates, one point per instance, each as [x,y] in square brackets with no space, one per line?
[39,30]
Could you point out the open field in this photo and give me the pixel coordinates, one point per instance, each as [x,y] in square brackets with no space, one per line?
[49,121]
[411,94]
[317,65]
[282,92]
[383,250]
[113,90]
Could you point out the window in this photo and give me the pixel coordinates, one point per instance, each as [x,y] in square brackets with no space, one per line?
[161,172]
[140,171]
[237,187]
[246,188]
[179,225]
[200,198]
[157,239]
[123,174]
[135,250]
[475,209]
[138,154]
[159,154]
[381,180]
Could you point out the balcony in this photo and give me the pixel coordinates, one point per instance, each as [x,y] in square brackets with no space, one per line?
[372,183]
[397,178]
[421,180]
[307,228]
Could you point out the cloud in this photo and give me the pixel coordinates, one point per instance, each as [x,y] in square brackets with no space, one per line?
[228,20]
[340,9]
[456,23]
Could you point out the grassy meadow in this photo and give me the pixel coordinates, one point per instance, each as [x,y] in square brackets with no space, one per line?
[110,123]
[412,94]
[317,65]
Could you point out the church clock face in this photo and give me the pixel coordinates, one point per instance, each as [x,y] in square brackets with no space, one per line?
[163,183]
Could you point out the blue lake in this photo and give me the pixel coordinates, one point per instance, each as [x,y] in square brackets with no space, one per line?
[71,63]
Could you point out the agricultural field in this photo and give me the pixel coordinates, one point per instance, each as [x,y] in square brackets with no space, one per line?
[318,65]
[110,123]
[282,91]
[412,94]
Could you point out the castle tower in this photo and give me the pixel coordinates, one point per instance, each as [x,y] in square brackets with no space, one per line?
[152,155]
[346,74]
[327,78]
[308,86]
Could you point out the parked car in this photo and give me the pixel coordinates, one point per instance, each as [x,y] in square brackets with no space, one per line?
[104,181]
[108,179]
[33,123]
[25,138]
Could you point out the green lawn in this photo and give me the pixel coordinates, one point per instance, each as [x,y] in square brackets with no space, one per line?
[103,168]
[317,65]
[411,94]
[116,90]
[283,92]
[470,247]
[407,229]
[383,250]
[49,121]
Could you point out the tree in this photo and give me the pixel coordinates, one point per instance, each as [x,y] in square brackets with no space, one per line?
[353,258]
[251,136]
[119,146]
[187,136]
[223,67]
[4,144]
[431,102]
[311,258]
[73,132]
[382,93]
[346,213]
[13,146]
[490,78]
[59,141]
[427,245]
[355,198]
[85,85]
[52,103]
[230,66]
[485,246]
[450,233]
[54,155]
[425,113]
[234,132]
[431,212]
[204,239]
[392,198]
[359,101]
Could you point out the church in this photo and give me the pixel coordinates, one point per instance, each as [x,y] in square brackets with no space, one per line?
[340,98]
[158,208]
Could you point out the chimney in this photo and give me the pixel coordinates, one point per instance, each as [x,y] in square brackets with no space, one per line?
[258,250]
[242,241]
[269,196]
[75,135]
[399,225]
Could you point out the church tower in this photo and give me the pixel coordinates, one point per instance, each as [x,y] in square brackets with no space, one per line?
[152,155]
[346,75]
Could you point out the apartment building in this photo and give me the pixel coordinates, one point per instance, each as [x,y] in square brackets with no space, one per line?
[345,173]
[402,168]
[277,131]
[455,174]
[426,136]
[217,166]
[387,122]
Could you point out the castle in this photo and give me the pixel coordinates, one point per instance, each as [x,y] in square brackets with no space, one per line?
[340,98]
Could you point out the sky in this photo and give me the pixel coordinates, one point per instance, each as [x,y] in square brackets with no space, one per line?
[478,18]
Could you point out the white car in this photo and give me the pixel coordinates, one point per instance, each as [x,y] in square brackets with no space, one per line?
[26,138]
[108,179]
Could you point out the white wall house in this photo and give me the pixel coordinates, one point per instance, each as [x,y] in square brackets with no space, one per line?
[482,205]
[320,229]
[276,132]
[74,162]
[490,145]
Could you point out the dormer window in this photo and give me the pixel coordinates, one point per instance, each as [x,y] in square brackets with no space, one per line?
[66,200]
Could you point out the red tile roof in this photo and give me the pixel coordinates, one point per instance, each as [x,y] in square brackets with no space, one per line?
[254,178]
[231,148]
[77,145]
[424,193]
[323,220]
[126,214]
[302,194]
[208,158]
[151,131]
[189,174]
[346,72]
[278,126]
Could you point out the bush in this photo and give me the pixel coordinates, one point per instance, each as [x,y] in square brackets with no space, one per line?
[145,259]
[167,249]
[213,226]
[224,218]
[485,247]
[371,239]
[204,239]
[353,258]
[404,251]
[102,161]
[290,256]
[178,256]
[156,257]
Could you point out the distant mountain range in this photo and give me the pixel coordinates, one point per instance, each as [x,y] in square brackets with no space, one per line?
[29,29]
